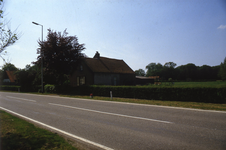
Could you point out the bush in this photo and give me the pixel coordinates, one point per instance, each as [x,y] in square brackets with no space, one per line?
[50,88]
[9,88]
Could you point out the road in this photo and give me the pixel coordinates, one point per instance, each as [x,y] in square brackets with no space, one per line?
[121,126]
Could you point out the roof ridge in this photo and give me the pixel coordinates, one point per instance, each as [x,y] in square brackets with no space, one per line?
[111,58]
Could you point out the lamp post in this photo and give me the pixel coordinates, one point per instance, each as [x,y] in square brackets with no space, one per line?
[41,56]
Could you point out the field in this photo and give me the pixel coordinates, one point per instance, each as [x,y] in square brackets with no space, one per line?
[216,84]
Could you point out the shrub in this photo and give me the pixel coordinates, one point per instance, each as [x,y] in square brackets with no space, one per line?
[10,88]
[50,88]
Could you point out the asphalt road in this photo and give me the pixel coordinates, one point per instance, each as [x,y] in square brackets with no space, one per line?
[112,125]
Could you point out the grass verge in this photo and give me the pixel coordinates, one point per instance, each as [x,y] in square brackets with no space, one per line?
[212,84]
[196,105]
[17,134]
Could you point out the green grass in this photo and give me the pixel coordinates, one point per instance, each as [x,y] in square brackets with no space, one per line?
[17,134]
[216,84]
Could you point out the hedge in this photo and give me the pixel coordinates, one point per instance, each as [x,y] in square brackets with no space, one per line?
[10,88]
[195,94]
[192,94]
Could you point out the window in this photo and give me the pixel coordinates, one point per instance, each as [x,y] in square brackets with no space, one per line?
[81,81]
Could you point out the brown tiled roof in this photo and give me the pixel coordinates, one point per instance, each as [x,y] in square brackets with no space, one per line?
[108,65]
[11,75]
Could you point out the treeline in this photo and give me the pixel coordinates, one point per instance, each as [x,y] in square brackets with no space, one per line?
[29,78]
[188,72]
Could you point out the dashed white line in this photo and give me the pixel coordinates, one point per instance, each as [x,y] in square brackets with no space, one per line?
[61,131]
[21,99]
[107,113]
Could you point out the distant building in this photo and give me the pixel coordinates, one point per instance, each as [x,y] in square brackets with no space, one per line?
[11,75]
[102,71]
[11,78]
[140,80]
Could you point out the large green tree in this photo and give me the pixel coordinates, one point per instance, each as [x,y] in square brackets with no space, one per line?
[140,72]
[168,70]
[222,72]
[9,67]
[7,37]
[187,72]
[170,65]
[29,77]
[154,69]
[61,55]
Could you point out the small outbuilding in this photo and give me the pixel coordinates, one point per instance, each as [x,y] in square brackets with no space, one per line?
[140,80]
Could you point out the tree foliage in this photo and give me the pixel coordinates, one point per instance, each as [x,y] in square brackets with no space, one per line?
[186,72]
[29,77]
[9,67]
[154,69]
[170,65]
[222,72]
[7,37]
[61,54]
[140,72]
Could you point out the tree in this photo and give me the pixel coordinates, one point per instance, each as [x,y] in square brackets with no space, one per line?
[9,67]
[222,72]
[168,70]
[170,65]
[7,37]
[154,69]
[187,72]
[29,78]
[61,54]
[140,72]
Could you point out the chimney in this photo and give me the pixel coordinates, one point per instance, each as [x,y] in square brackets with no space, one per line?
[97,55]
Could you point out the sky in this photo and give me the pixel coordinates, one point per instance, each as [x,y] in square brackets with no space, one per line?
[138,31]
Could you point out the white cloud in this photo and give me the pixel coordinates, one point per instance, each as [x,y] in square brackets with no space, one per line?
[222,27]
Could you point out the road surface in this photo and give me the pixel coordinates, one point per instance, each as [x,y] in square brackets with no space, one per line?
[121,126]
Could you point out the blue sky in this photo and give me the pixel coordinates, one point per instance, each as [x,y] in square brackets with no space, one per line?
[138,31]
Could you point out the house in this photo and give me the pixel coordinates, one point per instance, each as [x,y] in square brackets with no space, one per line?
[102,71]
[10,78]
[11,75]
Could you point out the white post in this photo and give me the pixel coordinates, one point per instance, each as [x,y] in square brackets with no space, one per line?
[111,94]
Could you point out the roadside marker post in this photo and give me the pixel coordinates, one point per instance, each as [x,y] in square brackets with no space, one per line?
[111,94]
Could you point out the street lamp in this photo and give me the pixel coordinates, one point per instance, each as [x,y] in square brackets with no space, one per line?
[41,55]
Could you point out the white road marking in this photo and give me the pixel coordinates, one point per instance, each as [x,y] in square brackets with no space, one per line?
[107,113]
[21,99]
[58,130]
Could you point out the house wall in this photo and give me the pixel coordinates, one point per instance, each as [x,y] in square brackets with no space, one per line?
[97,78]
[114,79]
[82,72]
[106,79]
